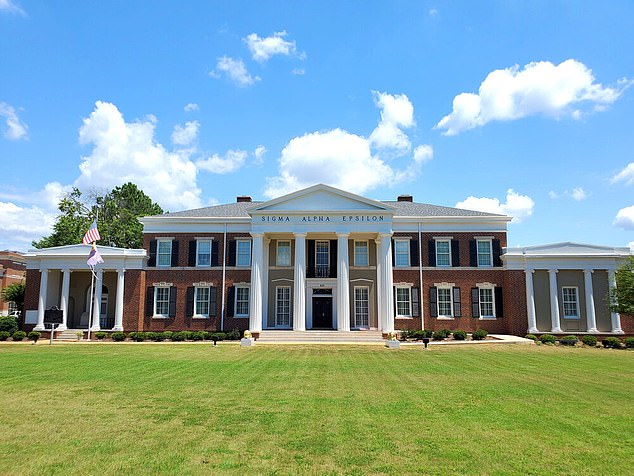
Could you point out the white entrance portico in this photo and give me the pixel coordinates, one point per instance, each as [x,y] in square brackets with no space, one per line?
[333,235]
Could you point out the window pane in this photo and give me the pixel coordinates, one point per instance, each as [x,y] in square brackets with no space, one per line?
[403,307]
[322,259]
[401,253]
[283,306]
[443,253]
[164,253]
[162,301]
[361,253]
[283,253]
[361,307]
[244,253]
[486,302]
[202,302]
[204,253]
[484,253]
[570,302]
[444,302]
[242,301]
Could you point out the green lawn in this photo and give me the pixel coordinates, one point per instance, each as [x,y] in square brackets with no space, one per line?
[195,409]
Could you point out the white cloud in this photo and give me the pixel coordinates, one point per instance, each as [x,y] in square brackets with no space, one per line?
[517,206]
[127,151]
[396,111]
[232,161]
[258,155]
[187,134]
[625,218]
[433,13]
[262,49]
[579,194]
[235,70]
[631,245]
[538,88]
[11,7]
[190,107]
[298,71]
[554,195]
[21,224]
[423,153]
[15,128]
[626,175]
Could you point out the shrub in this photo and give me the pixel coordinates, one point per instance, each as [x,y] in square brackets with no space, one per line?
[530,336]
[4,335]
[198,335]
[118,336]
[611,343]
[459,335]
[479,334]
[446,332]
[234,334]
[590,341]
[179,336]
[158,336]
[149,336]
[34,335]
[167,335]
[547,339]
[9,324]
[629,342]
[18,335]
[569,340]
[101,335]
[438,335]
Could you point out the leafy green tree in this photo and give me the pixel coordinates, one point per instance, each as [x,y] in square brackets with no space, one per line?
[622,298]
[14,293]
[117,215]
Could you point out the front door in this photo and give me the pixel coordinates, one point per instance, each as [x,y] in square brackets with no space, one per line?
[322,312]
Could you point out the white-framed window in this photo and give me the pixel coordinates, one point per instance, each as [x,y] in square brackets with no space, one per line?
[283,253]
[201,301]
[361,254]
[401,252]
[403,301]
[13,308]
[485,253]
[322,258]
[570,302]
[283,306]
[243,253]
[203,252]
[443,253]
[487,303]
[445,302]
[161,301]
[362,306]
[242,301]
[164,252]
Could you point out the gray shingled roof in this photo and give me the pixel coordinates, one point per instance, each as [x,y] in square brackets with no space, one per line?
[239,210]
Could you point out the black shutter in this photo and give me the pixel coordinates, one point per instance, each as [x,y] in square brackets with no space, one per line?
[189,302]
[152,260]
[172,311]
[191,256]
[393,253]
[499,302]
[174,253]
[213,301]
[230,298]
[473,254]
[497,252]
[232,253]
[413,253]
[433,302]
[415,303]
[394,301]
[149,301]
[214,253]
[475,302]
[455,253]
[457,304]
[432,252]
[310,250]
[333,258]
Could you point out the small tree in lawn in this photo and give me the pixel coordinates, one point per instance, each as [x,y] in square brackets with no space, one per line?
[622,298]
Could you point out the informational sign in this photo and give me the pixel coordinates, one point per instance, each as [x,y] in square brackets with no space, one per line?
[53,315]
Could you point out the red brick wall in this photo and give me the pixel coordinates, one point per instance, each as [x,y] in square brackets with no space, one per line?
[627,324]
[32,292]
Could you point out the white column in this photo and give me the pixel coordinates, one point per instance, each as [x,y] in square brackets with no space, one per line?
[590,312]
[379,286]
[387,298]
[554,301]
[63,305]
[615,316]
[265,283]
[41,304]
[255,298]
[299,283]
[96,306]
[343,283]
[530,301]
[118,311]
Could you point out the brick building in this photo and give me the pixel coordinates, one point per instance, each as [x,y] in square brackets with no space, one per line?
[322,258]
[12,271]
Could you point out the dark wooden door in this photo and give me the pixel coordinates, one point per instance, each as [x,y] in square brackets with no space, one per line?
[322,312]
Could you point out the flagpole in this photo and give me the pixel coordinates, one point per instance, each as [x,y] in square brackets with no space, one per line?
[92,298]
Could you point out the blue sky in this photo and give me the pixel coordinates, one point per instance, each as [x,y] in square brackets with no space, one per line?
[523,108]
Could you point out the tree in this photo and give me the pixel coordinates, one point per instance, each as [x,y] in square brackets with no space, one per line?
[15,293]
[622,298]
[117,215]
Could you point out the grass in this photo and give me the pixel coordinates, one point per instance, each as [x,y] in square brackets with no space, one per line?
[194,409]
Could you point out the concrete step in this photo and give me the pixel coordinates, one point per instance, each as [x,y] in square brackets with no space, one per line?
[68,335]
[272,336]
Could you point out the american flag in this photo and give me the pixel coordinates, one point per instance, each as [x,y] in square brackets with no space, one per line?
[92,234]
[94,258]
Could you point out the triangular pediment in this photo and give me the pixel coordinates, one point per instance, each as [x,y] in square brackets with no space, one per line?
[321,197]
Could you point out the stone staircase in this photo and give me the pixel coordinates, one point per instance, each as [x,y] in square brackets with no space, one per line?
[69,335]
[319,337]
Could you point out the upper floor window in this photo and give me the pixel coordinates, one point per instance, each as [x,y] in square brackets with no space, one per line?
[361,253]
[570,302]
[164,252]
[443,253]
[485,256]
[322,258]
[401,252]
[203,253]
[283,253]
[243,254]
